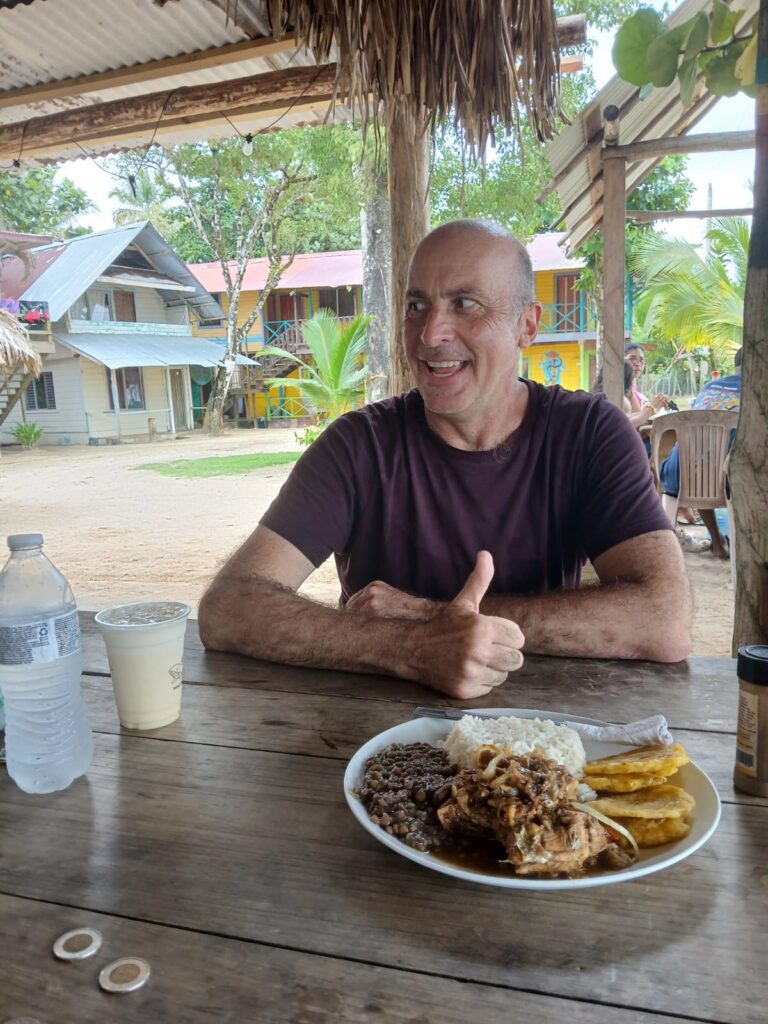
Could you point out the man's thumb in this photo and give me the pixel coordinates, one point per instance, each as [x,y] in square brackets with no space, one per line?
[478,581]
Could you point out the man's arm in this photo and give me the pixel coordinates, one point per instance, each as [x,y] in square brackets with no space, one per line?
[640,609]
[252,608]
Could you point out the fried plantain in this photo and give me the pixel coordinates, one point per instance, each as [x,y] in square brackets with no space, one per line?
[657,759]
[624,783]
[649,832]
[663,801]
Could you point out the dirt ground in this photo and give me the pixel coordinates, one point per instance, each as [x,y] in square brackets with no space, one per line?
[119,533]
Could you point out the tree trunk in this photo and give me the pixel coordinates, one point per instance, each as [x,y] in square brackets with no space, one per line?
[223,379]
[598,297]
[748,468]
[375,230]
[408,160]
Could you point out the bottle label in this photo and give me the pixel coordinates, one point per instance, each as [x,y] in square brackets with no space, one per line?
[38,642]
[746,735]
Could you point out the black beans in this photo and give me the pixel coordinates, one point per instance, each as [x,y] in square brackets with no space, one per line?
[403,786]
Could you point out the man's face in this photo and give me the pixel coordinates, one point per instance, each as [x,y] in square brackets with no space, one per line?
[462,332]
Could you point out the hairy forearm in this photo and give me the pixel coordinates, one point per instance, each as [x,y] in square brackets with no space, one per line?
[624,619]
[262,619]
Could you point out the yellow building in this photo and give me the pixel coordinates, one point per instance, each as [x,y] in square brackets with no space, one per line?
[313,281]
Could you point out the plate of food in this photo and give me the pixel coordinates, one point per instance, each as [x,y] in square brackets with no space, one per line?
[520,800]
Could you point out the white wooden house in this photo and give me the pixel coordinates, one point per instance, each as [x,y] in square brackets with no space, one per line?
[118,346]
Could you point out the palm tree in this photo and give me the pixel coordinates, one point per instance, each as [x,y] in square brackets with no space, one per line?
[692,299]
[148,202]
[333,382]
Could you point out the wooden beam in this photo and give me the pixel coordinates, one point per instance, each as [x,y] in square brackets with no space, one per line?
[709,142]
[614,243]
[570,64]
[219,56]
[572,30]
[646,216]
[139,134]
[187,103]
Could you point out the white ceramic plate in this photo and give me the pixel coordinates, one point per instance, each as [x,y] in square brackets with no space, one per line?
[430,730]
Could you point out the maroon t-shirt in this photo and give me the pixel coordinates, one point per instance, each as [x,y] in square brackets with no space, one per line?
[394,502]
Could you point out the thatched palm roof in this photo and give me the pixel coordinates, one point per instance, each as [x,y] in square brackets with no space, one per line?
[16,352]
[480,62]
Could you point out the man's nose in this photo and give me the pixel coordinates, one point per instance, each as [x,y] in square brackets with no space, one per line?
[437,328]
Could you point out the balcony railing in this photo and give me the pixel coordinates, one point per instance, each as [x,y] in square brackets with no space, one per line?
[568,317]
[287,334]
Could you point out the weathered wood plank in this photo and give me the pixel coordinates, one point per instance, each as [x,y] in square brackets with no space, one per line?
[700,693]
[261,846]
[200,978]
[321,726]
[185,102]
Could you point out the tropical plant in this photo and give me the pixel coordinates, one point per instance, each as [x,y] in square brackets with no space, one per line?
[33,201]
[142,197]
[692,298]
[717,44]
[27,434]
[333,382]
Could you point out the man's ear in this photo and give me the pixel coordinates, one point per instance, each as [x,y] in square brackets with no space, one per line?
[528,326]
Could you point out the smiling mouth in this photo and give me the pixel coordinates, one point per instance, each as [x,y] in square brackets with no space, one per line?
[444,367]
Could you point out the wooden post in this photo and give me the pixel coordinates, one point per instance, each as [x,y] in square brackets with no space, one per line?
[408,162]
[614,255]
[748,468]
[375,229]
[169,399]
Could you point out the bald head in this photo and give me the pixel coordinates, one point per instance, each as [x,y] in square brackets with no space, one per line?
[514,263]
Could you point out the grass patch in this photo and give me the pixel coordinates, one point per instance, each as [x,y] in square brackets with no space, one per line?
[226,465]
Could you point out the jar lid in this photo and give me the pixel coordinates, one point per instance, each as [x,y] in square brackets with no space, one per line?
[752,664]
[18,541]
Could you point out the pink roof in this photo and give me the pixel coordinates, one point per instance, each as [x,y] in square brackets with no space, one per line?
[547,253]
[336,269]
[308,270]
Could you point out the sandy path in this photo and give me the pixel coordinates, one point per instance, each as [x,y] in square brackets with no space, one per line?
[118,533]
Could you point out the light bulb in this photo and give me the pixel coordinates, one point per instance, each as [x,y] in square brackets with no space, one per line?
[248,145]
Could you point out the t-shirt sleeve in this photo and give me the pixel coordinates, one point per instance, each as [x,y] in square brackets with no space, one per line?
[316,507]
[620,500]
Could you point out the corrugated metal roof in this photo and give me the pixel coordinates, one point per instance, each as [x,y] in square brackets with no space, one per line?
[78,262]
[308,270]
[52,42]
[547,252]
[575,153]
[119,350]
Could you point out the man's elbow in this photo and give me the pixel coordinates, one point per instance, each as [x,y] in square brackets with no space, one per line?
[209,622]
[674,645]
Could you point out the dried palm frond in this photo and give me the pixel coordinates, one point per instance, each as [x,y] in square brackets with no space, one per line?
[480,63]
[16,352]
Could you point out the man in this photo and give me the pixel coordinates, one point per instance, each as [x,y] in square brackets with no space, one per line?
[461,512]
[719,393]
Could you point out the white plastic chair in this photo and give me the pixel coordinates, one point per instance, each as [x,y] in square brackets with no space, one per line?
[703,438]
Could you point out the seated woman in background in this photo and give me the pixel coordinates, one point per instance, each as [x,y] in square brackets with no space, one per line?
[637,417]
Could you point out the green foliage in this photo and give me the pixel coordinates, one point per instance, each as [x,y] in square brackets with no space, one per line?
[228,465]
[309,435]
[34,202]
[27,434]
[150,202]
[334,381]
[691,299]
[601,14]
[647,52]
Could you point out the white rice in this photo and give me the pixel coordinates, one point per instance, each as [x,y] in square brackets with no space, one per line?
[518,736]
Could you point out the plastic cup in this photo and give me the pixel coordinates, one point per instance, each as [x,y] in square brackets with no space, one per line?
[145,644]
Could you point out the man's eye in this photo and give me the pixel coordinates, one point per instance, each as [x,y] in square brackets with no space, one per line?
[415,306]
[464,303]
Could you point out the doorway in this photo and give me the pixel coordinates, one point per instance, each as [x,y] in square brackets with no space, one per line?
[179,399]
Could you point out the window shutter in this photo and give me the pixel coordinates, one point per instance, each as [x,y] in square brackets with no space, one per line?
[50,395]
[30,397]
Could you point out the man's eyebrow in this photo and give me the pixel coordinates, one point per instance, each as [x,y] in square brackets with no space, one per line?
[414,293]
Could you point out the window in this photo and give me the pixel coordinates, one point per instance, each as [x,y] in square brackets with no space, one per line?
[340,301]
[40,393]
[101,307]
[125,307]
[130,388]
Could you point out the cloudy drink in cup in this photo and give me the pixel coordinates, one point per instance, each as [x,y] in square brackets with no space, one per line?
[145,644]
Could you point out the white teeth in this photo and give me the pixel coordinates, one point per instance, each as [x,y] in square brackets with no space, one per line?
[444,365]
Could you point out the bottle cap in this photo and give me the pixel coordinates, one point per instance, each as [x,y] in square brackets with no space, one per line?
[78,944]
[124,975]
[752,664]
[19,541]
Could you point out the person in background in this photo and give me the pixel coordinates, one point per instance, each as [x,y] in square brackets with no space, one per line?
[719,393]
[638,419]
[635,356]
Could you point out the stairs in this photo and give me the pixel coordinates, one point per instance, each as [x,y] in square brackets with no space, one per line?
[13,384]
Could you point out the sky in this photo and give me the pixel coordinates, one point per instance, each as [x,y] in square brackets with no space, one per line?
[728,174]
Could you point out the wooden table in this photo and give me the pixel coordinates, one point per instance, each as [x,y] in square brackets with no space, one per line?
[221,850]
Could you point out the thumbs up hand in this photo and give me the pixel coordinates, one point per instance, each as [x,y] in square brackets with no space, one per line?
[462,652]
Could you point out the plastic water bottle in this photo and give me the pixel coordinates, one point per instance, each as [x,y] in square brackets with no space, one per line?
[48,741]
